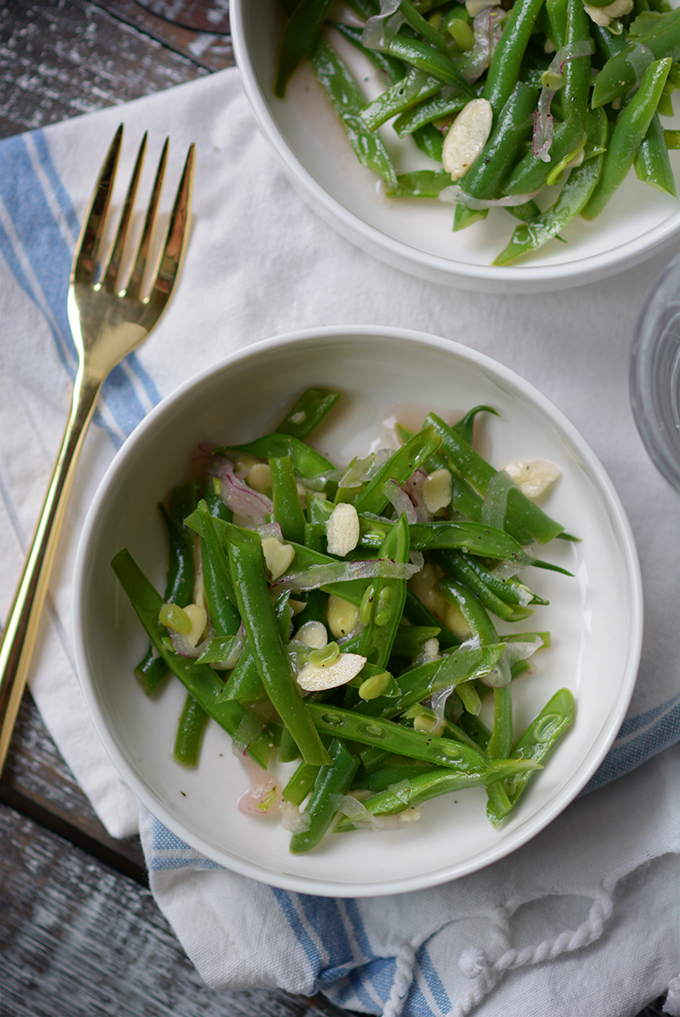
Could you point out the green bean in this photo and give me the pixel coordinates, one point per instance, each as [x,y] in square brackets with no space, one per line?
[500,740]
[503,73]
[392,68]
[475,578]
[252,593]
[366,8]
[621,73]
[309,411]
[348,102]
[629,131]
[213,499]
[180,577]
[557,18]
[192,724]
[468,693]
[419,615]
[416,684]
[471,608]
[575,91]
[487,541]
[572,198]
[536,743]
[418,184]
[432,784]
[627,68]
[352,590]
[299,36]
[426,57]
[300,784]
[244,682]
[286,500]
[417,21]
[467,462]
[466,501]
[500,744]
[333,779]
[383,777]
[316,600]
[509,590]
[412,89]
[288,750]
[383,603]
[198,679]
[217,585]
[410,639]
[607,45]
[430,141]
[307,462]
[400,466]
[475,729]
[456,756]
[465,426]
[442,104]
[651,162]
[513,125]
[527,210]
[531,173]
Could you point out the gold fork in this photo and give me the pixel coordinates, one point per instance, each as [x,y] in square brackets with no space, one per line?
[107,321]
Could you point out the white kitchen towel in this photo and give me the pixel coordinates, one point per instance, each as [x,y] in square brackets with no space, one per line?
[261,263]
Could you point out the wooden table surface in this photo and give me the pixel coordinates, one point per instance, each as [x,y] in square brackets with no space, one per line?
[81,934]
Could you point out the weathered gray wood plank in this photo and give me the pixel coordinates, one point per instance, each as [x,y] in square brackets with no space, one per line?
[60,58]
[37,782]
[79,940]
[200,15]
[197,29]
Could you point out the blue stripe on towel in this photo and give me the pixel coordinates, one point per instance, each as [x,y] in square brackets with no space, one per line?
[640,738]
[58,189]
[430,975]
[169,852]
[287,903]
[41,240]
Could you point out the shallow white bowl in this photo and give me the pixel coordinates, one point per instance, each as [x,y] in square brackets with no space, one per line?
[415,235]
[595,618]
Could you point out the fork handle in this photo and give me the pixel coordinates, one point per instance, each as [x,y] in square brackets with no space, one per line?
[21,628]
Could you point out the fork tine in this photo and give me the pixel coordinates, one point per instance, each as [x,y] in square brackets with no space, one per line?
[84,262]
[112,266]
[135,282]
[170,259]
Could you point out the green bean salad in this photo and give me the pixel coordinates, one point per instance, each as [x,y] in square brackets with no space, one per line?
[344,619]
[537,107]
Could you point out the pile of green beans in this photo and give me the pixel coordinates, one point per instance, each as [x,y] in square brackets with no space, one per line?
[561,141]
[412,602]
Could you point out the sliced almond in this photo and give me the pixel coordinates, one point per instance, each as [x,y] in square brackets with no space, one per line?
[467,137]
[277,557]
[437,490]
[342,529]
[534,477]
[316,679]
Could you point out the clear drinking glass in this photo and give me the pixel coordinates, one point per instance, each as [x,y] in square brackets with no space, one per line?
[655,373]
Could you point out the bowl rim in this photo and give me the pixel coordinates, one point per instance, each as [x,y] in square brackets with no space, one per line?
[534,824]
[588,269]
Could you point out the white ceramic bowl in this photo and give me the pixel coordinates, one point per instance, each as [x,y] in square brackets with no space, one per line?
[595,618]
[415,235]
